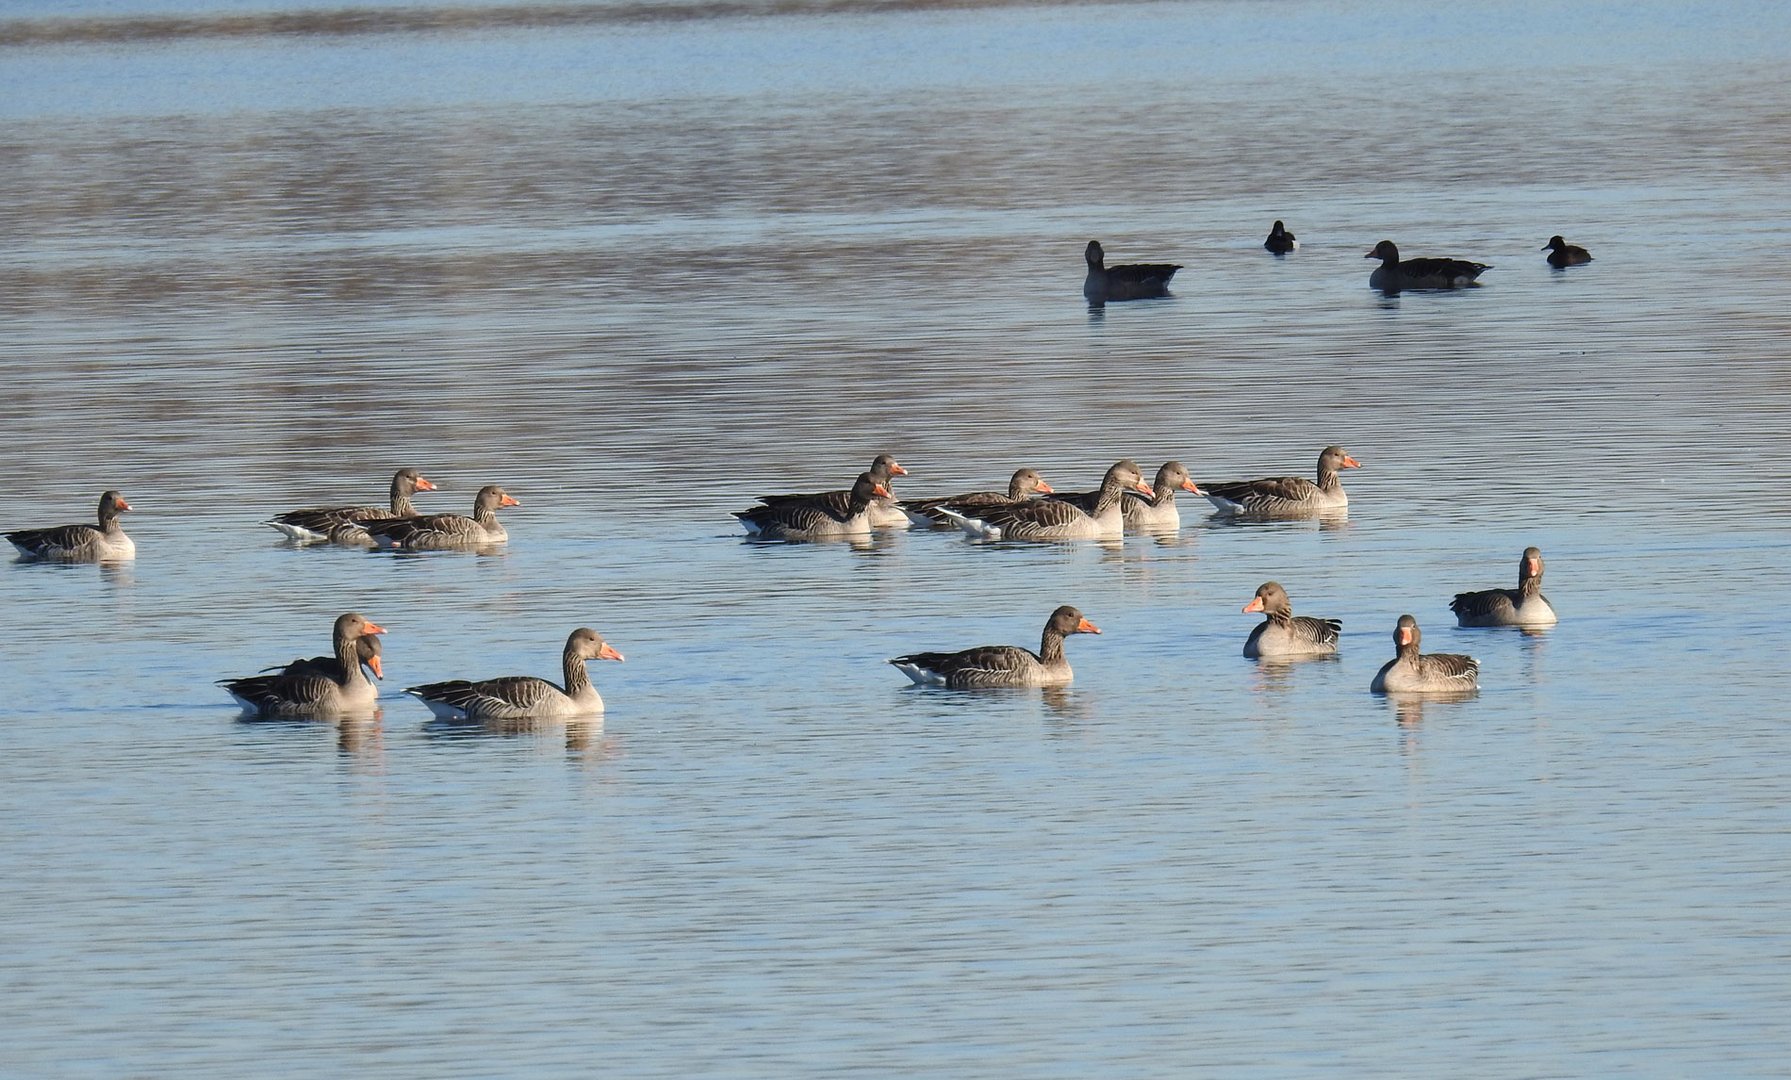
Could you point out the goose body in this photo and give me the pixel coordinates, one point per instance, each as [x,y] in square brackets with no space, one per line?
[1394,275]
[256,687]
[1024,484]
[105,542]
[815,517]
[1134,281]
[1412,672]
[345,524]
[1139,512]
[1056,519]
[1563,254]
[884,512]
[1281,241]
[524,697]
[1286,496]
[989,666]
[1522,606]
[1282,634]
[438,532]
[306,688]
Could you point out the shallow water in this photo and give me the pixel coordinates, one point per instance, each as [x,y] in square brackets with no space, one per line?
[639,264]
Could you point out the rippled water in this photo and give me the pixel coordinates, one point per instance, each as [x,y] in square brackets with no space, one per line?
[639,263]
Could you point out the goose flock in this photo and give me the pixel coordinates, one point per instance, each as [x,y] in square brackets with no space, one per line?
[1029,511]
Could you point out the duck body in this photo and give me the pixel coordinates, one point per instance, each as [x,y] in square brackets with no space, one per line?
[1284,635]
[345,524]
[525,697]
[1412,672]
[1133,281]
[1286,496]
[821,516]
[1524,606]
[105,542]
[1281,241]
[990,666]
[446,532]
[1396,275]
[1563,254]
[1053,519]
[1024,484]
[308,689]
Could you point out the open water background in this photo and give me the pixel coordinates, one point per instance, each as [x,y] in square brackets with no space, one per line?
[638,262]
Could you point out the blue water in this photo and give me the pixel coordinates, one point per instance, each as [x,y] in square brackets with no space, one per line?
[641,264]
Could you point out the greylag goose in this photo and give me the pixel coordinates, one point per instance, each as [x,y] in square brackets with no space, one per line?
[1563,254]
[884,512]
[342,524]
[1024,484]
[1152,512]
[520,697]
[80,543]
[1286,496]
[1134,281]
[312,690]
[367,648]
[1522,606]
[256,687]
[1284,634]
[1281,241]
[1411,672]
[1393,275]
[437,532]
[815,517]
[1001,665]
[1055,519]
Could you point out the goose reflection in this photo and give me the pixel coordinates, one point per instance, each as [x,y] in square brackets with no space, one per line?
[1408,709]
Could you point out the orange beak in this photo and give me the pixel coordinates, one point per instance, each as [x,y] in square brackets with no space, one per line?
[607,653]
[1255,604]
[424,485]
[122,505]
[508,501]
[372,628]
[1405,636]
[1086,627]
[1350,462]
[378,672]
[1534,566]
[879,490]
[1188,485]
[897,470]
[1044,488]
[1144,487]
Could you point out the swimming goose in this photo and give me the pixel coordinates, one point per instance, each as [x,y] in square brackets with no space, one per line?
[884,512]
[1001,665]
[1286,496]
[1284,634]
[1152,512]
[255,687]
[1563,254]
[814,517]
[1054,519]
[342,524]
[436,532]
[1281,241]
[311,691]
[80,543]
[1392,275]
[519,697]
[1522,606]
[1023,485]
[1410,672]
[1134,281]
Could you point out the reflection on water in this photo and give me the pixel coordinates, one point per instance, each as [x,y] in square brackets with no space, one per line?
[256,256]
